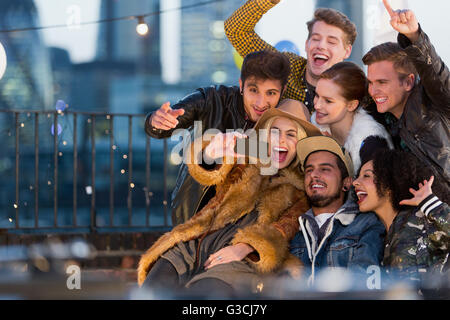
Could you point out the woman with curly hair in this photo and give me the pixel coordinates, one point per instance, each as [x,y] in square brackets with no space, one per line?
[418,228]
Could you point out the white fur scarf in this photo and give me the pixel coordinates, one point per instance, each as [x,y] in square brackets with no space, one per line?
[363,126]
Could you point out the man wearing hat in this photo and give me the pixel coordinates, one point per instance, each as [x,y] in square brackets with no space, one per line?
[333,233]
[235,240]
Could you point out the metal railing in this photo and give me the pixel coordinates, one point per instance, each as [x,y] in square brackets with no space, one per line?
[90,132]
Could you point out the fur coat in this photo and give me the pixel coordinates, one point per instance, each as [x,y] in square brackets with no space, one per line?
[364,125]
[239,190]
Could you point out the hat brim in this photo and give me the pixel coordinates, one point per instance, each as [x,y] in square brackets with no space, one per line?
[309,145]
[310,129]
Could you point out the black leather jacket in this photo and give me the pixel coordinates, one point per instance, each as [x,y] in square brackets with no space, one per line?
[218,107]
[423,127]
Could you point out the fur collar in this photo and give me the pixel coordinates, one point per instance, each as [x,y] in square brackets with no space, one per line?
[363,127]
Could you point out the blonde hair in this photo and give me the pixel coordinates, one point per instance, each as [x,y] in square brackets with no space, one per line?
[301,133]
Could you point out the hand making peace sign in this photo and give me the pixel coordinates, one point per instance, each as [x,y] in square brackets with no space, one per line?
[403,21]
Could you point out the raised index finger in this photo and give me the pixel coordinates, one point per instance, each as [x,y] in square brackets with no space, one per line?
[166,107]
[388,8]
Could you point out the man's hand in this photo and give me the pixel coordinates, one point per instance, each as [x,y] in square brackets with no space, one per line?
[419,195]
[403,21]
[228,254]
[165,118]
[275,1]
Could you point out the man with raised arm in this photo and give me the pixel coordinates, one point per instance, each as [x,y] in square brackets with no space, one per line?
[263,79]
[410,86]
[330,39]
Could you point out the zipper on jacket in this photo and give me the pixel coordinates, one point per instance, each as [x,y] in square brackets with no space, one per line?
[314,255]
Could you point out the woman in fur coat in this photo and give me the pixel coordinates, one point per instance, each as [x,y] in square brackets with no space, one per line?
[340,92]
[242,233]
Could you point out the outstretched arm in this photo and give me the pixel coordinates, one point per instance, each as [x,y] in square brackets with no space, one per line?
[240,27]
[433,72]
[162,122]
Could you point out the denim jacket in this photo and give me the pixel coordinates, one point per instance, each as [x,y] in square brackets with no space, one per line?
[352,240]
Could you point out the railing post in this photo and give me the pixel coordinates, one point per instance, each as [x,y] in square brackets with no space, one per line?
[36,170]
[147,181]
[16,204]
[165,203]
[75,167]
[111,169]
[93,152]
[130,168]
[55,169]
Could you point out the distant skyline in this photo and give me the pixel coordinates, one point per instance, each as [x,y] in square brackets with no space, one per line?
[81,43]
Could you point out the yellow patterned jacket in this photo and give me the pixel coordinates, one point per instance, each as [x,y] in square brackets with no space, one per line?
[239,28]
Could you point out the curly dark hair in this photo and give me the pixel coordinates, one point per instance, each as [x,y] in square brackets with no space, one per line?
[397,171]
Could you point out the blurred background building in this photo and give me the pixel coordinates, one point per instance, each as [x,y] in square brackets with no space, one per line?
[108,68]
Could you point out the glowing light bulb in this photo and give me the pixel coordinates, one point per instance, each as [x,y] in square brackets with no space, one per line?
[142,27]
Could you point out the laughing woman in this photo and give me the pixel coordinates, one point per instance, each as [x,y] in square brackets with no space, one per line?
[340,96]
[418,229]
[242,232]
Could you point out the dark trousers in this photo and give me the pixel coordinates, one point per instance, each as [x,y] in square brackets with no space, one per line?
[164,276]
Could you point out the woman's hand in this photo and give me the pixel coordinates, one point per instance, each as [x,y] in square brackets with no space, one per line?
[419,195]
[223,145]
[235,252]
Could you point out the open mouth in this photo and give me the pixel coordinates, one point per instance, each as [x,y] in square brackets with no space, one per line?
[320,59]
[259,112]
[361,196]
[317,186]
[280,154]
[320,115]
[380,100]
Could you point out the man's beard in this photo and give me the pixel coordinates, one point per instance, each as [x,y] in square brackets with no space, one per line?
[321,201]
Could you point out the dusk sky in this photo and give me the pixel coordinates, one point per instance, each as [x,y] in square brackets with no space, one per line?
[284,22]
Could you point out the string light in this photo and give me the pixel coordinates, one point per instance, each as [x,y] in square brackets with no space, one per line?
[142,27]
[155,13]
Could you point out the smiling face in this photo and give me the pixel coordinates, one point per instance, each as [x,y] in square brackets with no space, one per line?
[259,96]
[283,138]
[366,190]
[323,181]
[389,92]
[324,48]
[331,107]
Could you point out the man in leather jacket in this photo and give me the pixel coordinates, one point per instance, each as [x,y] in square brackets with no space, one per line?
[263,78]
[410,86]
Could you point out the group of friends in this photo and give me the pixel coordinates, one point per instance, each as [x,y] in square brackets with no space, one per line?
[363,166]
